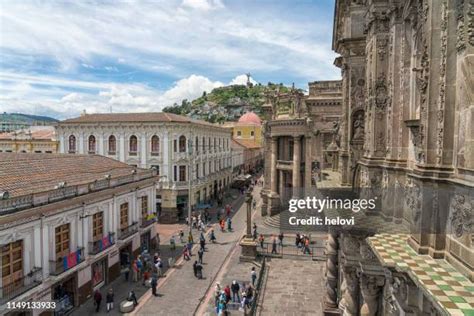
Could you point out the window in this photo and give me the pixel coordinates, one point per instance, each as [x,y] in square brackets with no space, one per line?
[144,205]
[133,145]
[123,215]
[215,147]
[196,144]
[182,173]
[37,151]
[12,264]
[239,133]
[197,170]
[175,173]
[182,144]
[62,241]
[209,145]
[112,145]
[203,145]
[97,226]
[175,145]
[252,133]
[72,144]
[155,145]
[91,147]
[203,169]
[157,168]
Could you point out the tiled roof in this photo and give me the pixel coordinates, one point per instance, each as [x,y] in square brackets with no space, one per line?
[22,173]
[37,132]
[248,143]
[148,117]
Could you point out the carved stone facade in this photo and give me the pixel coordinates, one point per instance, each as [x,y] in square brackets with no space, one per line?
[407,139]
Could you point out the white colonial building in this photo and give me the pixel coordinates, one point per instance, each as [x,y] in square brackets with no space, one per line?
[68,224]
[176,146]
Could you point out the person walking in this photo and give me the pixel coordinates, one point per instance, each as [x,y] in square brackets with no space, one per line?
[261,239]
[222,224]
[159,267]
[154,284]
[97,300]
[181,236]
[253,275]
[195,268]
[190,238]
[227,294]
[200,255]
[212,236]
[274,245]
[235,287]
[255,231]
[229,224]
[140,268]
[186,253]
[134,271]
[109,300]
[217,293]
[172,243]
[280,239]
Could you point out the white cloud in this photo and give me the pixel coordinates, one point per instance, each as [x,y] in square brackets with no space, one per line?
[204,5]
[99,97]
[242,80]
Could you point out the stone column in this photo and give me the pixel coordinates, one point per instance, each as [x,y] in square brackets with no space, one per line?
[273,170]
[330,298]
[349,303]
[282,186]
[143,150]
[122,147]
[370,292]
[296,166]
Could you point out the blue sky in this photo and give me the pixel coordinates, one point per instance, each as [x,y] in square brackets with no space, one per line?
[61,57]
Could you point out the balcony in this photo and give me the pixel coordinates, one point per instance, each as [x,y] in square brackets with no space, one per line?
[20,286]
[100,245]
[62,264]
[127,231]
[147,221]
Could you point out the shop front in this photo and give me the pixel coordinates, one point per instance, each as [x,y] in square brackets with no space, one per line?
[64,294]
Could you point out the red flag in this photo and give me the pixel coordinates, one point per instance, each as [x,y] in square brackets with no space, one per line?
[71,260]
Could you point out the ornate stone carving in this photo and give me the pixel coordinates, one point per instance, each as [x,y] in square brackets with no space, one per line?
[442,83]
[330,299]
[381,93]
[348,302]
[358,126]
[413,199]
[366,253]
[370,287]
[462,215]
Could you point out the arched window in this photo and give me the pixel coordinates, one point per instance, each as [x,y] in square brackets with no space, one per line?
[155,145]
[182,144]
[112,144]
[133,145]
[196,144]
[203,145]
[209,145]
[72,144]
[91,146]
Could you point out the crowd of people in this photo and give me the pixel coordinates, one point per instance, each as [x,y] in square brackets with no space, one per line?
[237,293]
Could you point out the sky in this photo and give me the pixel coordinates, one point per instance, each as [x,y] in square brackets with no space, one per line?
[58,58]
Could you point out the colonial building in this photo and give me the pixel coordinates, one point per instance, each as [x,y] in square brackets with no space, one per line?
[406,140]
[247,128]
[176,146]
[34,139]
[238,151]
[299,139]
[68,224]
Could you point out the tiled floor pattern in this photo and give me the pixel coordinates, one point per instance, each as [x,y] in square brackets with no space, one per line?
[453,291]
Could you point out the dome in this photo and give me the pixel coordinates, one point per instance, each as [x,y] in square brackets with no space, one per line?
[250,117]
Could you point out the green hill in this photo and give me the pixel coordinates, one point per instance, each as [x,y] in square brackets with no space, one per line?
[226,103]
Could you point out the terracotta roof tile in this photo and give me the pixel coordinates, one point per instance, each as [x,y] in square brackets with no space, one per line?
[22,173]
[148,117]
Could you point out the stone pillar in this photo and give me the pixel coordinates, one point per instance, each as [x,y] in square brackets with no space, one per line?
[281,183]
[370,288]
[308,164]
[330,298]
[143,150]
[349,303]
[273,162]
[296,166]
[122,147]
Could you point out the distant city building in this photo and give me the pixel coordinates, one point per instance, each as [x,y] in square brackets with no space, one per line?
[10,122]
[167,142]
[69,224]
[33,139]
